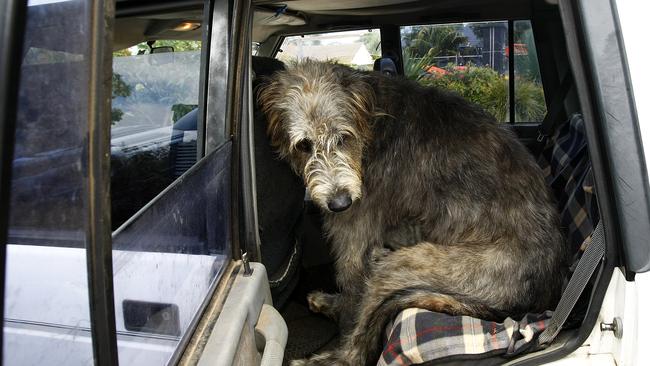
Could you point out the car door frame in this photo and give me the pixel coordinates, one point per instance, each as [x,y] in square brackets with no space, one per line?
[12,24]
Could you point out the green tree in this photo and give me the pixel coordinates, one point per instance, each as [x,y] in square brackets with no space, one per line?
[433,40]
[122,53]
[119,88]
[485,87]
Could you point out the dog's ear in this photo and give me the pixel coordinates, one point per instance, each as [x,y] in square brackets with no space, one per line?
[361,101]
[269,93]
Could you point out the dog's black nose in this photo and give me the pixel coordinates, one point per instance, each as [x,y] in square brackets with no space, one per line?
[340,202]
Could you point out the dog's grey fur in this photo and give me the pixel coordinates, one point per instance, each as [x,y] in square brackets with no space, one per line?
[458,200]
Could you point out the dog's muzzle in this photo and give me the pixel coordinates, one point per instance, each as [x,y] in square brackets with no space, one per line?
[340,202]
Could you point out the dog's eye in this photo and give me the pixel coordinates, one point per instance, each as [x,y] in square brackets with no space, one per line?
[304,145]
[342,140]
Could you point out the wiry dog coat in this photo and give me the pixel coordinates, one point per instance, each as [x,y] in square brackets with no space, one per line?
[458,200]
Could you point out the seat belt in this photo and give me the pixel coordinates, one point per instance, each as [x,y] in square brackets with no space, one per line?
[552,118]
[587,264]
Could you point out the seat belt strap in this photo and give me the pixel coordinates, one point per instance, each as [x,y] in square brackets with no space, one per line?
[587,264]
[552,117]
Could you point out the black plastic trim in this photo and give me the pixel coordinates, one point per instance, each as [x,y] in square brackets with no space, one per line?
[608,106]
[511,70]
[12,25]
[216,129]
[99,254]
[135,8]
[391,45]
[203,79]
[637,259]
[241,119]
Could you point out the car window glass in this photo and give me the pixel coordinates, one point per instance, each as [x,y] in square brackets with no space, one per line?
[530,105]
[358,49]
[154,116]
[471,59]
[171,213]
[46,304]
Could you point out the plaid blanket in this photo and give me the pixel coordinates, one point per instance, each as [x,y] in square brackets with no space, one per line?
[418,335]
[567,169]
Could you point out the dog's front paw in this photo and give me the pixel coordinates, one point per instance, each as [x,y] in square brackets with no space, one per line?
[326,304]
[324,359]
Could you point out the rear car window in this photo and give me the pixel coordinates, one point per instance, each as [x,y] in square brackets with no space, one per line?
[472,59]
[154,112]
[358,49]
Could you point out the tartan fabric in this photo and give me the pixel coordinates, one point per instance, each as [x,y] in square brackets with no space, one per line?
[419,335]
[567,169]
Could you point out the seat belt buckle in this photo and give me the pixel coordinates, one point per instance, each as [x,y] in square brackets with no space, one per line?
[541,136]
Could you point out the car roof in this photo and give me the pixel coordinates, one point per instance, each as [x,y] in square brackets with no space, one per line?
[139,21]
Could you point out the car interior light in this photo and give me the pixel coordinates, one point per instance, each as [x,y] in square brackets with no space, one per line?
[187,26]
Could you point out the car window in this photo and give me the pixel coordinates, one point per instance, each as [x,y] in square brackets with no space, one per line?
[172,235]
[166,259]
[472,60]
[530,103]
[47,313]
[154,115]
[358,49]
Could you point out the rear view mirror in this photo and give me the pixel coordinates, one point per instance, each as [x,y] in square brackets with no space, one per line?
[162,49]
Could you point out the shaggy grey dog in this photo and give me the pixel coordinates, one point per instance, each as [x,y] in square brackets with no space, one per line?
[460,204]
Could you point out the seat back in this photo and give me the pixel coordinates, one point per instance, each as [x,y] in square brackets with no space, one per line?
[386,66]
[280,199]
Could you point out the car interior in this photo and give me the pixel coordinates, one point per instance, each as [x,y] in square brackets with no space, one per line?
[292,244]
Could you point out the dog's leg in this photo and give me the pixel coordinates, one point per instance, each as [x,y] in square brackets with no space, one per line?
[355,235]
[330,304]
[395,285]
[355,242]
[326,304]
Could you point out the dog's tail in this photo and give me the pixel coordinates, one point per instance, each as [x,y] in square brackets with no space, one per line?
[373,318]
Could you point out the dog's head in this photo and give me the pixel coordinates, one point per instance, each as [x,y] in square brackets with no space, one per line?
[318,119]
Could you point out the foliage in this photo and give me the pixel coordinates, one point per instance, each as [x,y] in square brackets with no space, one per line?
[432,40]
[122,53]
[179,110]
[119,89]
[415,67]
[485,87]
[529,100]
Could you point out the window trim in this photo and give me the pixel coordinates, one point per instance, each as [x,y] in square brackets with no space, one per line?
[388,31]
[12,30]
[99,251]
[213,136]
[511,71]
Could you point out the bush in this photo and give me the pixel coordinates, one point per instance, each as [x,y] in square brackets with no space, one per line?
[483,86]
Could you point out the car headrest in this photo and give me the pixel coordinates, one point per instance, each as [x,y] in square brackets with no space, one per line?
[386,66]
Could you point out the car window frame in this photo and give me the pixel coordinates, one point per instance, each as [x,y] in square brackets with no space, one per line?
[12,26]
[216,126]
[99,249]
[391,32]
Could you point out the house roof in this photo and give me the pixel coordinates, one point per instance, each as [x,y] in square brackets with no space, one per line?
[350,54]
